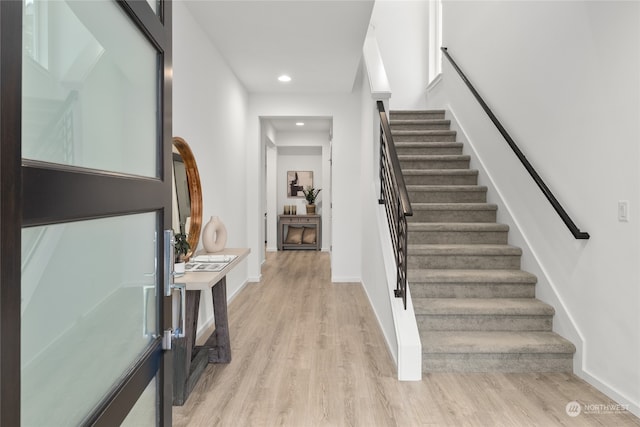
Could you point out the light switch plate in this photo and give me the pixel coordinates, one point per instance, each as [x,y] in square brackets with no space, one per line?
[623,210]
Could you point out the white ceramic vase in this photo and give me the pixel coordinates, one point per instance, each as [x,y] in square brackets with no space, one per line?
[214,235]
[179,268]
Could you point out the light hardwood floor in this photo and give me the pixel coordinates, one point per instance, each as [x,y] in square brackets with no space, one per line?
[307,352]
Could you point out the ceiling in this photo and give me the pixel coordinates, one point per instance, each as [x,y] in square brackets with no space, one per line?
[311,124]
[316,42]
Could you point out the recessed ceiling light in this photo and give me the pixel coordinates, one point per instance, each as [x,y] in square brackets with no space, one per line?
[299,124]
[284,78]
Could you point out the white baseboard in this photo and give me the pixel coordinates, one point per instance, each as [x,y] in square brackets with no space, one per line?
[633,407]
[230,297]
[436,80]
[254,279]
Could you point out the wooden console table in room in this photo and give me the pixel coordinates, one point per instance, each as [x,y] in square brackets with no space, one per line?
[285,221]
[189,359]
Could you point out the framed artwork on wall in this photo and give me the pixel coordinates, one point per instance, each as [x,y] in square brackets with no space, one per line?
[296,181]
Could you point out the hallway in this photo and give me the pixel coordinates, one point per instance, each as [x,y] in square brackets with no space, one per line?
[307,352]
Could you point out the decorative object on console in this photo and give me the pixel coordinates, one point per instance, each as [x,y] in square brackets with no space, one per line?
[294,235]
[297,181]
[185,171]
[290,209]
[214,235]
[181,248]
[310,194]
[309,235]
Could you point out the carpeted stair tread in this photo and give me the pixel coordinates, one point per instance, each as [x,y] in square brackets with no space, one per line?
[454,206]
[457,226]
[448,188]
[492,342]
[401,133]
[470,276]
[434,157]
[419,122]
[461,249]
[482,306]
[409,112]
[426,172]
[428,144]
[415,114]
[453,211]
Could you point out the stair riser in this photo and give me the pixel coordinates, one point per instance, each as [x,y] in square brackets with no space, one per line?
[439,136]
[429,151]
[487,362]
[416,115]
[483,323]
[452,216]
[420,126]
[441,179]
[464,262]
[417,237]
[447,196]
[434,164]
[470,290]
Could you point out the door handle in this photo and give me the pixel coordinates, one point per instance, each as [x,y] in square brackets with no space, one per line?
[179,332]
[169,287]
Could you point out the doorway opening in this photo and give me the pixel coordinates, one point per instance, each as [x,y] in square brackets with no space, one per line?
[291,144]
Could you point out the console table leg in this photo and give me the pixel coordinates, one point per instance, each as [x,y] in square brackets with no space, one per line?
[219,344]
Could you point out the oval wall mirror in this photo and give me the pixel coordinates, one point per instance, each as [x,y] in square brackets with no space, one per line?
[187,194]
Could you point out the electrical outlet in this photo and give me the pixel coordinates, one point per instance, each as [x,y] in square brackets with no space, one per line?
[623,210]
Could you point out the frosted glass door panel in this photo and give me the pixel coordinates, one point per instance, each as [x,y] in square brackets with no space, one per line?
[144,413]
[154,5]
[90,82]
[89,299]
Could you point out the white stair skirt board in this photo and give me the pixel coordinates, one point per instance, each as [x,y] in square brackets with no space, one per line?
[409,359]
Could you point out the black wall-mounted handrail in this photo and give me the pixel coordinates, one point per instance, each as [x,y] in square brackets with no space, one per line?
[543,187]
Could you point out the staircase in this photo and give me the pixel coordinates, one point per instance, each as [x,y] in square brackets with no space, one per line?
[476,310]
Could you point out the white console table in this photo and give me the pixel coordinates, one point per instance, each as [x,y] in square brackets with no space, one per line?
[189,359]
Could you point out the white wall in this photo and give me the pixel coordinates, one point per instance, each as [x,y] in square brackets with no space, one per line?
[564,78]
[402,33]
[298,158]
[374,275]
[345,232]
[210,113]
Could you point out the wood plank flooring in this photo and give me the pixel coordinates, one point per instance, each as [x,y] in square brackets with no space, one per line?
[306,352]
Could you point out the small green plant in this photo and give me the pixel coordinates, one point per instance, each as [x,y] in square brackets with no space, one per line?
[181,245]
[310,194]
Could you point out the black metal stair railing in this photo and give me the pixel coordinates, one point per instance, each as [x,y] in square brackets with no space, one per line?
[394,195]
[534,174]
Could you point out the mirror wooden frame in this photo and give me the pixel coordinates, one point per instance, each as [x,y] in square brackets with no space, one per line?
[195,191]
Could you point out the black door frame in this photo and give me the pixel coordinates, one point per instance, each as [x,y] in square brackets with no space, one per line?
[45,203]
